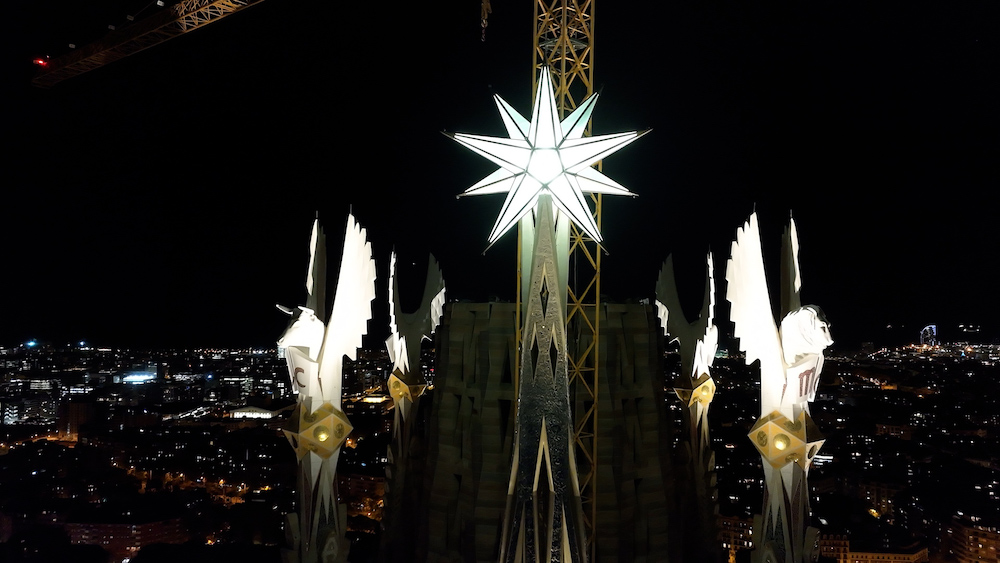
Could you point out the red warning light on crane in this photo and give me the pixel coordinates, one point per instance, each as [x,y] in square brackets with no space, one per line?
[41,62]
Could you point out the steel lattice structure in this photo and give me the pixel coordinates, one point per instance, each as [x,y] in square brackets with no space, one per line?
[563,40]
[178,19]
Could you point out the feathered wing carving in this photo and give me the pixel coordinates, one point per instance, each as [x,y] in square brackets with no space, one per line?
[695,388]
[315,351]
[705,349]
[696,358]
[316,276]
[438,297]
[351,310]
[791,278]
[406,382]
[407,330]
[751,312]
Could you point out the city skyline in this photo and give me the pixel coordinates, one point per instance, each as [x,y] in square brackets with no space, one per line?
[150,198]
[886,479]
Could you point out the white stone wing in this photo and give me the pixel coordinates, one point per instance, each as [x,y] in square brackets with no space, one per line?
[791,278]
[396,343]
[434,292]
[352,309]
[699,339]
[316,274]
[409,329]
[668,302]
[751,312]
[708,342]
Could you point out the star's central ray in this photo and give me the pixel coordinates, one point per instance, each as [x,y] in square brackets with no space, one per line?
[546,155]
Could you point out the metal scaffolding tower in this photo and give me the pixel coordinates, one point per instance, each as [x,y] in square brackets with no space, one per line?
[180,18]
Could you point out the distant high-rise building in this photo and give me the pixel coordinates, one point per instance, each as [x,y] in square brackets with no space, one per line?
[124,539]
[72,415]
[928,336]
[973,541]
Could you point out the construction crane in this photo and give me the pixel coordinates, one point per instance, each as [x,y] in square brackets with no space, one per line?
[177,19]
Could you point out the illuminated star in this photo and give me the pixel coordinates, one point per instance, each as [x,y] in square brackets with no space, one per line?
[546,156]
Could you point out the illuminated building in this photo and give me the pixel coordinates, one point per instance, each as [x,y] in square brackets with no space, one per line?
[971,540]
[835,547]
[838,548]
[251,412]
[735,534]
[123,540]
[928,336]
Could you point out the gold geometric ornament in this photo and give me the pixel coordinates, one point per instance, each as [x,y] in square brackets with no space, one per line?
[781,441]
[400,390]
[321,431]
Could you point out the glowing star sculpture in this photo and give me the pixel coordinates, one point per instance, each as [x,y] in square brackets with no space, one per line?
[546,156]
[315,349]
[695,388]
[790,363]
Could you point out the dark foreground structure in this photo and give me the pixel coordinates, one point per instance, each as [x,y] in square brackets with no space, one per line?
[456,487]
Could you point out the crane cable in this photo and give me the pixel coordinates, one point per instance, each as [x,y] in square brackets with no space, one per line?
[483,14]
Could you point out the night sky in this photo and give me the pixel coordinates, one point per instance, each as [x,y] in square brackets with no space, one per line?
[166,199]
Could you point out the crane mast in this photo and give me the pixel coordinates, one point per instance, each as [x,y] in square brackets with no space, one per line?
[563,40]
[178,19]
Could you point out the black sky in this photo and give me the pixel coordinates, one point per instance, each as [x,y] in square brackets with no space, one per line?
[166,199]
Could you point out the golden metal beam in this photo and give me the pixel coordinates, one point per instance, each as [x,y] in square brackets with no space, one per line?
[175,20]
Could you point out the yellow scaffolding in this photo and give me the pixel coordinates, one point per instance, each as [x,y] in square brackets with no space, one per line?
[178,19]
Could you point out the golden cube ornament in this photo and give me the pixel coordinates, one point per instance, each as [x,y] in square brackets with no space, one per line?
[781,441]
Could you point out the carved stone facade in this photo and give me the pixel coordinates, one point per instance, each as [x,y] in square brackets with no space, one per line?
[469,437]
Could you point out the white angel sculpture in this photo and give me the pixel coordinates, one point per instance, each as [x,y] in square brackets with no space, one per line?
[790,363]
[315,348]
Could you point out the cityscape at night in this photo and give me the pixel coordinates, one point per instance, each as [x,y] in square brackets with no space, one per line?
[782,212]
[193,454]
